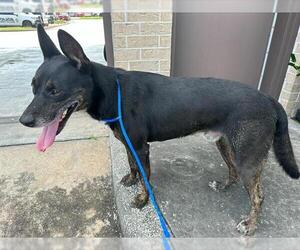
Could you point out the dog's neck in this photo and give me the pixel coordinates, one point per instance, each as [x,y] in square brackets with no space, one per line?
[103,101]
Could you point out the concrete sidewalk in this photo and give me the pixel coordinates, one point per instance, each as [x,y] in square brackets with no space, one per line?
[181,170]
[64,192]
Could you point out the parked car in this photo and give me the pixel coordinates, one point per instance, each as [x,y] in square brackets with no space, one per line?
[72,14]
[64,16]
[79,14]
[51,17]
[43,18]
[19,19]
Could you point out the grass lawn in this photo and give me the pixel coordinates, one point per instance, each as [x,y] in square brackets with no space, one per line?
[59,22]
[90,17]
[12,29]
[7,29]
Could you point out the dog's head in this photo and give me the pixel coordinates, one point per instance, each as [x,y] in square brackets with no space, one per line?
[62,85]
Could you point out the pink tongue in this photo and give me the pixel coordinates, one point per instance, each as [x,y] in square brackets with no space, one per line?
[47,137]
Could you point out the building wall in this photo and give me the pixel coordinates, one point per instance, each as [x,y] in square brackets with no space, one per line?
[290,94]
[142,41]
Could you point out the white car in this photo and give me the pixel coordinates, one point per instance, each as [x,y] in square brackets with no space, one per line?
[19,19]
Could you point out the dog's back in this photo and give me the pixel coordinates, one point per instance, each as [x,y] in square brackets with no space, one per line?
[174,107]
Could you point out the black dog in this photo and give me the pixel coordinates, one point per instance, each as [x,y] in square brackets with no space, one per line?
[158,108]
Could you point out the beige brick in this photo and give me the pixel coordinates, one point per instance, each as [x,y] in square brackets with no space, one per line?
[119,42]
[118,5]
[282,101]
[290,107]
[292,70]
[143,17]
[126,54]
[166,5]
[156,53]
[144,66]
[290,78]
[166,16]
[156,28]
[165,41]
[294,110]
[117,17]
[142,41]
[123,65]
[132,4]
[297,80]
[298,49]
[165,73]
[137,5]
[126,28]
[165,65]
[284,97]
[289,96]
[291,87]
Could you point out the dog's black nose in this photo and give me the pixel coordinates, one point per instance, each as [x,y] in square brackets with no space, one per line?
[27,120]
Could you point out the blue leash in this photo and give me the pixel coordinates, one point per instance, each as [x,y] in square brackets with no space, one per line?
[163,224]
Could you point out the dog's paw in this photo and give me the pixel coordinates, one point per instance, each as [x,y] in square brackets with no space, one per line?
[216,186]
[219,186]
[128,180]
[246,228]
[140,200]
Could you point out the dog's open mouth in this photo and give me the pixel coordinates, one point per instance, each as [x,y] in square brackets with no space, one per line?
[50,131]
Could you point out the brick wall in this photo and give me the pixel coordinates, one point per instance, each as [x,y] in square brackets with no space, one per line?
[142,41]
[290,94]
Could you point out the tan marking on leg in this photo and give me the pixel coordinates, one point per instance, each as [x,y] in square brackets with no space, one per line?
[141,199]
[249,225]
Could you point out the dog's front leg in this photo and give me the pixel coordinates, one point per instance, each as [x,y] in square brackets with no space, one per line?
[141,199]
[131,178]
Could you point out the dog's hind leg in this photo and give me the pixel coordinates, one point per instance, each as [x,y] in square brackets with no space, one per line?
[227,155]
[251,140]
[253,186]
[131,178]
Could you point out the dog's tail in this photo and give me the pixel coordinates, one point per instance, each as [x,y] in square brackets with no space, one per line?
[282,144]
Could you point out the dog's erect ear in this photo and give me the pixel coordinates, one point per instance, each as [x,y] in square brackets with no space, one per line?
[48,47]
[72,49]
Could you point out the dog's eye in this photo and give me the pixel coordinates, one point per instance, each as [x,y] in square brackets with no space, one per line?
[51,89]
[54,91]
